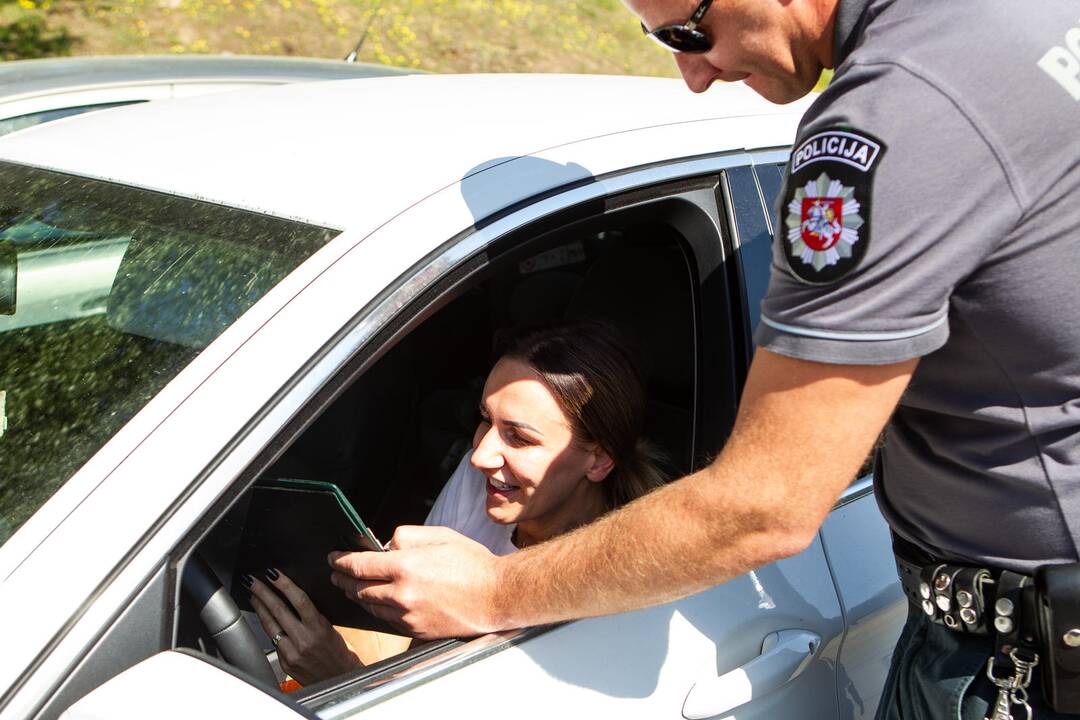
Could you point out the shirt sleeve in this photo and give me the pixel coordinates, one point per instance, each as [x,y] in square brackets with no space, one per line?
[893,196]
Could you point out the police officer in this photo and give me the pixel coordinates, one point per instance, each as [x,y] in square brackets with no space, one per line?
[927,247]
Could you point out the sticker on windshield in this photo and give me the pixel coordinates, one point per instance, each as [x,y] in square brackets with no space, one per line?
[826,209]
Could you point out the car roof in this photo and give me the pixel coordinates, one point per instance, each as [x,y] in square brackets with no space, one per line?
[27,78]
[356,152]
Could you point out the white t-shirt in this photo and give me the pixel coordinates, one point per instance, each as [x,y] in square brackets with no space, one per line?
[460,506]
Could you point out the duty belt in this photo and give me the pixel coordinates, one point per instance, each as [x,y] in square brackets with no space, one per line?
[1034,621]
[969,599]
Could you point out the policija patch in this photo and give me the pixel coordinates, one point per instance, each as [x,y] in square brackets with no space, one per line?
[826,211]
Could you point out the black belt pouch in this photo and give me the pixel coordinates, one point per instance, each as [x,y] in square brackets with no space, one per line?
[1058,593]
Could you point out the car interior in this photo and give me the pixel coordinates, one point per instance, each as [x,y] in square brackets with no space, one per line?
[411,417]
[393,437]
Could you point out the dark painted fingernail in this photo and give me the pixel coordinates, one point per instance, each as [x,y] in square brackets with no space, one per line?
[272,574]
[247,581]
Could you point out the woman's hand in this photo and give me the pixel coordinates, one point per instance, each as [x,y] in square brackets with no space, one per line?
[308,647]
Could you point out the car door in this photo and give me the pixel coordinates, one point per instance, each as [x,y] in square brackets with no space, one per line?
[855,536]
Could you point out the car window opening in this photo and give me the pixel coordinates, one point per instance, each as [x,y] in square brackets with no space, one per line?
[393,438]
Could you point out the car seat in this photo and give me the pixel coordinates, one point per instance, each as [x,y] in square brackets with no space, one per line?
[645,291]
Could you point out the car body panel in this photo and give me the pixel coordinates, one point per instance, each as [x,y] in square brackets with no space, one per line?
[855,536]
[857,540]
[33,87]
[160,682]
[645,663]
[328,181]
[28,78]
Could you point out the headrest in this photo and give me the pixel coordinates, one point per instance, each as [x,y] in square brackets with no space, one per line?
[542,297]
[646,293]
[187,291]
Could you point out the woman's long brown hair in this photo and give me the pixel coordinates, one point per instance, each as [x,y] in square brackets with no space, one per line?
[594,377]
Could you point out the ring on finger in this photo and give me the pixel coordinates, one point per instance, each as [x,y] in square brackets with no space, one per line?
[277,638]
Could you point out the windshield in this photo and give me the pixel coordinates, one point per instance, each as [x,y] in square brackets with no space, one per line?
[107,293]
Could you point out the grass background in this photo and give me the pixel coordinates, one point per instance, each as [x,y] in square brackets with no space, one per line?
[573,36]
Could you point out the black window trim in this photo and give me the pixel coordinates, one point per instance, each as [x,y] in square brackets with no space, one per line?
[863,485]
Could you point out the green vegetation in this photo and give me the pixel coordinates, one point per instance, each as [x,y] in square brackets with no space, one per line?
[25,33]
[574,36]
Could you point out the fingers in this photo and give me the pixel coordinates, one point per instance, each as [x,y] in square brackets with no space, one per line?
[299,599]
[283,643]
[308,647]
[375,596]
[411,536]
[279,611]
[384,566]
[364,591]
[270,626]
[373,565]
[433,583]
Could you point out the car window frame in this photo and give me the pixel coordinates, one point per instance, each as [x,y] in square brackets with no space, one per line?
[452,266]
[862,485]
[738,201]
[355,694]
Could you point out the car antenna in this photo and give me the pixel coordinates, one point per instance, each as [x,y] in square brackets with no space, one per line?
[351,57]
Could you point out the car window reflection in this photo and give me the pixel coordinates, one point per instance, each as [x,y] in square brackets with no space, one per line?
[117,290]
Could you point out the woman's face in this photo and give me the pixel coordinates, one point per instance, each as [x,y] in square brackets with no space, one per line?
[538,476]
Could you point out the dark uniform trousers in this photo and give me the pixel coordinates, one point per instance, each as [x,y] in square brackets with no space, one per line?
[939,674]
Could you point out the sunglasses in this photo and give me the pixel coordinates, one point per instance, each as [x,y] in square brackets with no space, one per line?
[685,38]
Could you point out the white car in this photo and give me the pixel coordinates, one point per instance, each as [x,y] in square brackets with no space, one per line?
[37,91]
[304,281]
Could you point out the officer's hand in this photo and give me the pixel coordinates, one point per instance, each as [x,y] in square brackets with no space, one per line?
[433,583]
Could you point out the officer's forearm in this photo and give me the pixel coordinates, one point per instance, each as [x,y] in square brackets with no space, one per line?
[675,542]
[762,499]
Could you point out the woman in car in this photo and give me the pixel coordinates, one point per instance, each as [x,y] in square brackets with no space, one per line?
[559,443]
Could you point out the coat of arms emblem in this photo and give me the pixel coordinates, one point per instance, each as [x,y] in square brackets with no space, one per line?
[823,222]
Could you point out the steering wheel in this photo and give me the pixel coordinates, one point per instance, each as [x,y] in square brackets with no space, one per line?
[222,619]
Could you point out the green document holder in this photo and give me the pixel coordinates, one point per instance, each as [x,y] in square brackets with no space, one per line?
[292,525]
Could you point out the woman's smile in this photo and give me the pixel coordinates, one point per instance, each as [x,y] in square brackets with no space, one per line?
[536,473]
[501,490]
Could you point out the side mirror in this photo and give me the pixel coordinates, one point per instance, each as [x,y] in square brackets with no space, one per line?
[9,273]
[177,684]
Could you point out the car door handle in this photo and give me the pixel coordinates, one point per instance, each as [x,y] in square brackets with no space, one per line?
[784,655]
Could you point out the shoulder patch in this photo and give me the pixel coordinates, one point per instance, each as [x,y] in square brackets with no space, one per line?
[826,211]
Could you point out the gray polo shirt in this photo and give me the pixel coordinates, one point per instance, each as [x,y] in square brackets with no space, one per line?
[931,209]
